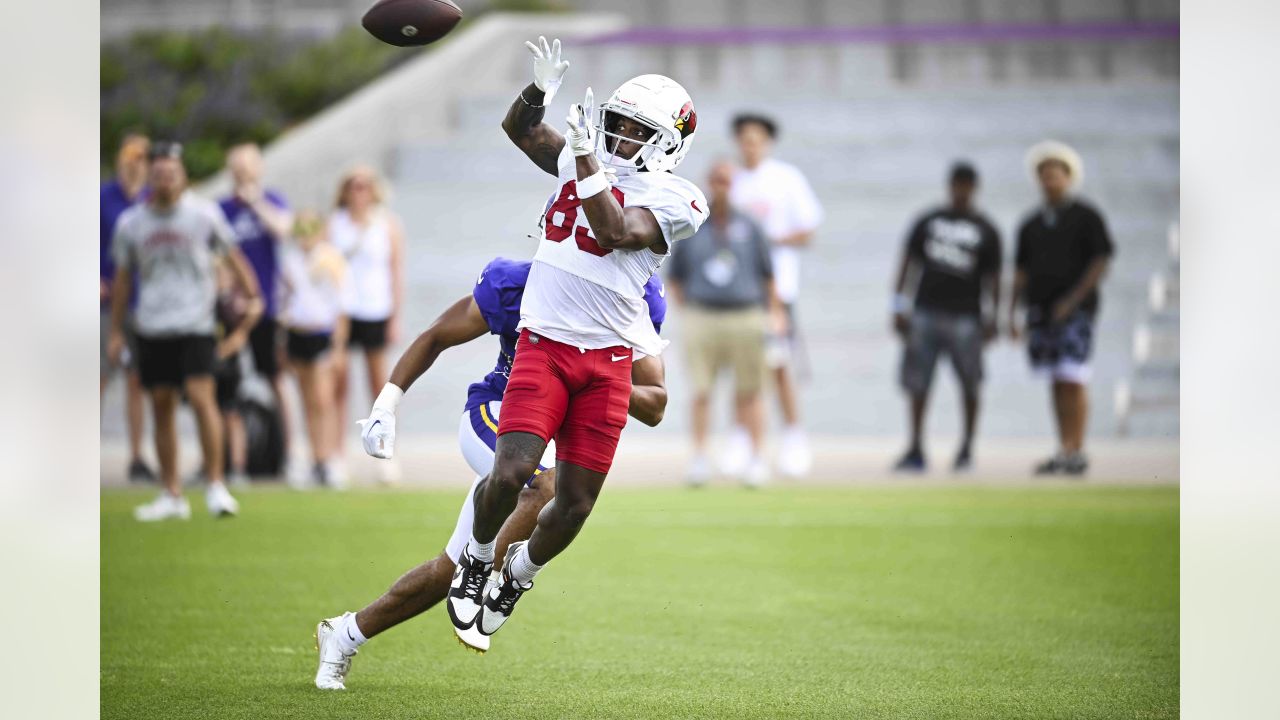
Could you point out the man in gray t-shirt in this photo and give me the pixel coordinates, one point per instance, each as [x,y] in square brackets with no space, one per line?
[174,242]
[723,278]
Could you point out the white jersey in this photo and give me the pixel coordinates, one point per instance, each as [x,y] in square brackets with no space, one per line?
[583,295]
[316,285]
[367,250]
[777,196]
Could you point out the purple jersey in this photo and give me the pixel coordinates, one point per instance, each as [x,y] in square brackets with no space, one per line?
[497,293]
[112,203]
[257,243]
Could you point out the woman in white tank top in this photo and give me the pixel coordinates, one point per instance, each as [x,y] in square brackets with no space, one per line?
[314,279]
[371,239]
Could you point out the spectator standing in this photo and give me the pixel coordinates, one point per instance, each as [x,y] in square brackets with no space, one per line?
[1063,253]
[174,241]
[954,255]
[778,197]
[116,196]
[723,278]
[314,279]
[371,239]
[261,220]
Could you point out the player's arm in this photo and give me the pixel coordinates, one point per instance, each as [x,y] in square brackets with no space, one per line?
[461,323]
[616,227]
[648,390]
[535,138]
[1016,294]
[523,123]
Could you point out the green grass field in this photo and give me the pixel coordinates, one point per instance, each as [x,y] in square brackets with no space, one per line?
[883,602]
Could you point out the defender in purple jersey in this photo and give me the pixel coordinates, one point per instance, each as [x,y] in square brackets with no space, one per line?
[494,308]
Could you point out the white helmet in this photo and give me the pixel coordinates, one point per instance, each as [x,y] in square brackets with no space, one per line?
[657,102]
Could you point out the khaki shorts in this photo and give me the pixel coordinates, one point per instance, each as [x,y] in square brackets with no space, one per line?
[717,339]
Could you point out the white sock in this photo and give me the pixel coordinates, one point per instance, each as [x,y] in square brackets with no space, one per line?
[481,551]
[522,568]
[349,636]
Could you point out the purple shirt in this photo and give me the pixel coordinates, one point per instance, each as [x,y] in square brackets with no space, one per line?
[257,243]
[497,293]
[111,204]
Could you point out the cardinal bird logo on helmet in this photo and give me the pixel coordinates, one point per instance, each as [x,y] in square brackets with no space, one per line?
[686,119]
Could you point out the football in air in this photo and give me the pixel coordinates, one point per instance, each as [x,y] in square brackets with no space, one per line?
[409,23]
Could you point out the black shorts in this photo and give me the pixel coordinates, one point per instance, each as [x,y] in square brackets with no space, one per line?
[371,334]
[264,344]
[226,377]
[172,359]
[306,347]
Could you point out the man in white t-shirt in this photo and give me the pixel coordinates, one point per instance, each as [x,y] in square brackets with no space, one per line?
[777,196]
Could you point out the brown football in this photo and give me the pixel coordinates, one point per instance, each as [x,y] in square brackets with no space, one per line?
[411,22]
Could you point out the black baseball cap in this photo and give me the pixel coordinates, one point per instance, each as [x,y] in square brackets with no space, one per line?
[741,120]
[165,149]
[963,171]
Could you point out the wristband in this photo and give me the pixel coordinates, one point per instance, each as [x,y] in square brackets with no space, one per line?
[901,304]
[389,398]
[593,185]
[526,102]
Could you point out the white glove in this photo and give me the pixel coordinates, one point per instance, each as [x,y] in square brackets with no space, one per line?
[581,134]
[378,433]
[548,68]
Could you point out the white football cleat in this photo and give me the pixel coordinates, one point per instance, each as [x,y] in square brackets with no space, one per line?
[164,507]
[334,664]
[500,598]
[219,501]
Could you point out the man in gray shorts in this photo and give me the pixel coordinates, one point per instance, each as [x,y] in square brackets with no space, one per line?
[954,252]
[174,242]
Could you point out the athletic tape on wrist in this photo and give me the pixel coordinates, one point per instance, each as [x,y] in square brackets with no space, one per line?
[593,185]
[901,304]
[389,398]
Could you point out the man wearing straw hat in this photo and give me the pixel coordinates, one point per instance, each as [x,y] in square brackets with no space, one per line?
[1062,254]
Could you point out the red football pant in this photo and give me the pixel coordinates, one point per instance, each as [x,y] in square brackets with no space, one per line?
[579,398]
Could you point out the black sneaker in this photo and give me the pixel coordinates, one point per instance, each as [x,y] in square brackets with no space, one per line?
[912,462]
[1074,464]
[140,472]
[1052,466]
[466,592]
[500,600]
[963,461]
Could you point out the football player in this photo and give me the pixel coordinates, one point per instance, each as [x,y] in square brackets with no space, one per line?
[493,307]
[617,213]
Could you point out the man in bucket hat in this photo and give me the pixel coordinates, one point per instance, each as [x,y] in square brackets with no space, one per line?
[1062,254]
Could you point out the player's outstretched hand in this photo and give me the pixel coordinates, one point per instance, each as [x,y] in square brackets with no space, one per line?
[548,68]
[378,433]
[580,134]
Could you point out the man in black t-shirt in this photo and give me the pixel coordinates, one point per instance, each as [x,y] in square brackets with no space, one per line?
[954,251]
[1063,252]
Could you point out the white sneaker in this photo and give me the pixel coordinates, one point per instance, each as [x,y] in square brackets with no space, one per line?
[757,474]
[334,665]
[164,507]
[220,502]
[699,471]
[737,453]
[794,457]
[336,474]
